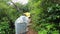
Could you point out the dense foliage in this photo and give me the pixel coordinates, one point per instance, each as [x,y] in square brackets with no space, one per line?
[45,16]
[8,15]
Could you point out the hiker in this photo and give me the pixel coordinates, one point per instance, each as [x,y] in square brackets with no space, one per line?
[22,23]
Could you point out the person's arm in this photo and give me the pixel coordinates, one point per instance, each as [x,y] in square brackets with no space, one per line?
[29,22]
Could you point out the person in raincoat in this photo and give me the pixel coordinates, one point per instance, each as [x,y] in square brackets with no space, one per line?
[22,23]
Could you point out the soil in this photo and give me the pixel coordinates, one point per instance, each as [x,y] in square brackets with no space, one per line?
[31,31]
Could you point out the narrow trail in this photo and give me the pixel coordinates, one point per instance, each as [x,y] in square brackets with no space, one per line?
[31,31]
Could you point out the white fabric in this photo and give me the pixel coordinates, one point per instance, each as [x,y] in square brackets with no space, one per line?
[22,19]
[21,24]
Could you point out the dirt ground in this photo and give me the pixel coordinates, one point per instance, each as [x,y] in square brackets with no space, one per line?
[31,31]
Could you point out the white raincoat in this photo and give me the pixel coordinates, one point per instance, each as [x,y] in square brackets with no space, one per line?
[21,24]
